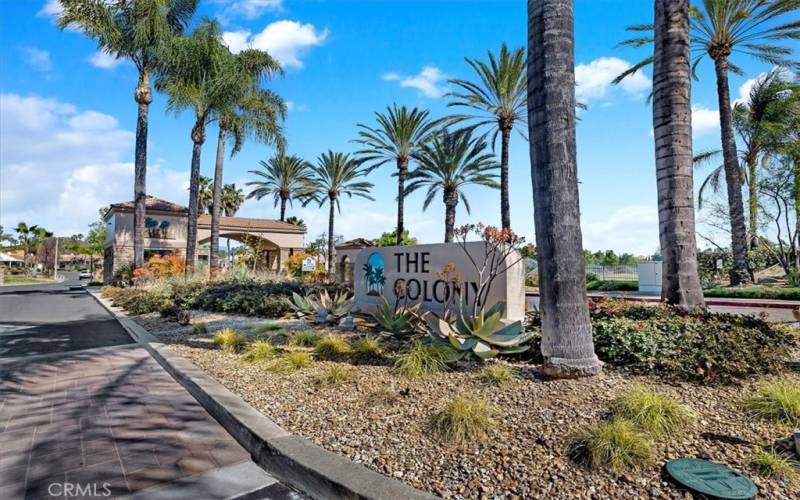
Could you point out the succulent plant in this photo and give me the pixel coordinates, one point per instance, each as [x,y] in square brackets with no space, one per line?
[400,321]
[303,306]
[327,308]
[482,336]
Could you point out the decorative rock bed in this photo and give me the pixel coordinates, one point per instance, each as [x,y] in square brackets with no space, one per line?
[383,421]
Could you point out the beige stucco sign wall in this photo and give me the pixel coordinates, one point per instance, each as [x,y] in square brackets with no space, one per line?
[416,269]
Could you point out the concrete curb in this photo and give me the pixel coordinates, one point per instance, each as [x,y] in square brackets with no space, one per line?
[292,459]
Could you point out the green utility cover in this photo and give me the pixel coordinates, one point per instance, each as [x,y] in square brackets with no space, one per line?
[711,479]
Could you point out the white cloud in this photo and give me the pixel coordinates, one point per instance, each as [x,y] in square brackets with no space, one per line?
[104,60]
[38,58]
[632,229]
[427,81]
[286,41]
[593,80]
[61,164]
[249,9]
[704,120]
[51,8]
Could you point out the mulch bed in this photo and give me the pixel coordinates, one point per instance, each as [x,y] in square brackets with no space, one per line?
[383,421]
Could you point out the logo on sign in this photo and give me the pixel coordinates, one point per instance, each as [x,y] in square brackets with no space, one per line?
[374,274]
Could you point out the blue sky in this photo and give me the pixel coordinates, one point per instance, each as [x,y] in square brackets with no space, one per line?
[66,136]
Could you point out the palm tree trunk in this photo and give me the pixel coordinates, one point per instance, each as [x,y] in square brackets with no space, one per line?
[402,170]
[450,203]
[228,244]
[283,208]
[796,169]
[198,138]
[143,97]
[672,128]
[216,204]
[752,199]
[733,181]
[505,208]
[331,262]
[567,345]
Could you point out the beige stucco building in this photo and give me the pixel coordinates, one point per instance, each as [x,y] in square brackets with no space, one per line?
[165,234]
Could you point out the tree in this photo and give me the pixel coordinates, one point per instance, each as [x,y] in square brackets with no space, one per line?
[567,345]
[250,112]
[672,129]
[400,134]
[390,239]
[134,30]
[296,221]
[333,176]
[205,196]
[95,242]
[197,73]
[499,100]
[448,163]
[763,123]
[718,30]
[232,199]
[284,178]
[30,237]
[7,237]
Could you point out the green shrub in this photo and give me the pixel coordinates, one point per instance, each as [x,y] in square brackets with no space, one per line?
[305,338]
[419,360]
[366,348]
[755,292]
[774,464]
[259,351]
[697,345]
[616,445]
[613,285]
[654,413]
[777,402]
[265,327]
[331,347]
[229,339]
[200,328]
[335,374]
[496,374]
[463,419]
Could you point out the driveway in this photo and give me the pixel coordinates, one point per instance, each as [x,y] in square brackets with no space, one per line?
[87,413]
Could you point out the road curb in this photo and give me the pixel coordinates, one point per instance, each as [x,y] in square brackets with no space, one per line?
[292,459]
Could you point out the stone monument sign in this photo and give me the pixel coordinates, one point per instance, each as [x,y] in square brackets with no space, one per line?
[417,271]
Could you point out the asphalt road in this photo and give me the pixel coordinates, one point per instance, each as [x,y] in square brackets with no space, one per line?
[52,318]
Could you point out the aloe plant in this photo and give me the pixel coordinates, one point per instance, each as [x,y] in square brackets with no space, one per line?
[399,321]
[481,336]
[327,308]
[303,306]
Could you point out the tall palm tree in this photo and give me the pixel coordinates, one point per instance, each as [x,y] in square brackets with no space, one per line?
[672,129]
[717,30]
[195,73]
[27,237]
[761,123]
[132,29]
[399,135]
[333,176]
[448,163]
[284,178]
[205,196]
[499,100]
[251,112]
[567,345]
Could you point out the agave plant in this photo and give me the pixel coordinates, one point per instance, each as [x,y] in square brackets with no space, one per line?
[400,321]
[336,307]
[481,336]
[303,306]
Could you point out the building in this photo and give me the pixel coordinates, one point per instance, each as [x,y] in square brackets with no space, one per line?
[346,253]
[165,234]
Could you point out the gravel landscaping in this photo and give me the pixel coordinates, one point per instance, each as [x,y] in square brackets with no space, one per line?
[383,421]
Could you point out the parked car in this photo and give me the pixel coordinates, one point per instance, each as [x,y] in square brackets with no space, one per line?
[85,275]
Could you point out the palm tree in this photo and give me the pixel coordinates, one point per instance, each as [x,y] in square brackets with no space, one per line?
[295,221]
[672,129]
[499,100]
[284,178]
[448,163]
[567,345]
[232,199]
[333,176]
[26,235]
[399,135]
[720,29]
[251,112]
[762,123]
[133,30]
[205,195]
[194,72]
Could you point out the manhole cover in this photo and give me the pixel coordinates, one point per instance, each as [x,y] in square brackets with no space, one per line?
[711,479]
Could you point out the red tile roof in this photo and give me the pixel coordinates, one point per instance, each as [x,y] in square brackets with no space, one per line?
[151,203]
[244,223]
